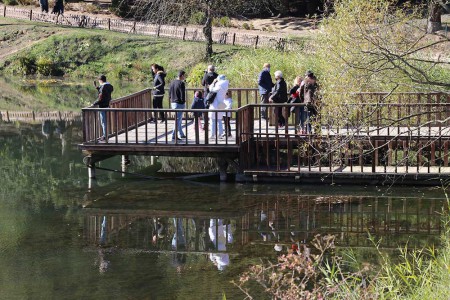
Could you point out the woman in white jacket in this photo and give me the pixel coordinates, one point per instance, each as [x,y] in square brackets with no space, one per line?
[219,86]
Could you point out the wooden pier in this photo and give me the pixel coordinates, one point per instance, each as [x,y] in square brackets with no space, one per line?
[403,138]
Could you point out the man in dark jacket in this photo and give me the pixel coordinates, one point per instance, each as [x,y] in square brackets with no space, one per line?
[265,86]
[279,95]
[105,90]
[208,79]
[158,92]
[177,95]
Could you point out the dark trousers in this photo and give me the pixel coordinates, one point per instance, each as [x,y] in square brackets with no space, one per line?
[264,100]
[227,124]
[158,103]
[279,113]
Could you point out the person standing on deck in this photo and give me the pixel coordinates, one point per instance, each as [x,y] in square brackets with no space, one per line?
[158,91]
[265,85]
[208,79]
[105,90]
[219,86]
[177,95]
[279,95]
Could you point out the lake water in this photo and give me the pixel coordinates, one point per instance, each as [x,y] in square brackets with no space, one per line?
[127,237]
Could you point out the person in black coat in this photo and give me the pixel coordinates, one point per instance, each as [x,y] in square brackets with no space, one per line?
[208,78]
[279,95]
[158,91]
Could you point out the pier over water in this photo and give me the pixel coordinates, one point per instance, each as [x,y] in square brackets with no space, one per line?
[370,138]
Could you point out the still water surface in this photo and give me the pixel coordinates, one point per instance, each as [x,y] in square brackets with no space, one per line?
[130,238]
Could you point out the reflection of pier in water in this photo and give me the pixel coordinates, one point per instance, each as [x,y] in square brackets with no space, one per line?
[286,220]
[35,116]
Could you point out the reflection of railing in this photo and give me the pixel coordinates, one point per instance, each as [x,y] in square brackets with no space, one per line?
[296,218]
[157,232]
[286,219]
[34,116]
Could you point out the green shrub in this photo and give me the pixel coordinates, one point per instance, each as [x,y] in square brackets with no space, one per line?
[222,22]
[45,66]
[27,65]
[198,18]
[246,26]
[10,2]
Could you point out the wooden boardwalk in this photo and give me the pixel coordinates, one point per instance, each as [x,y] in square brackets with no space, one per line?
[413,144]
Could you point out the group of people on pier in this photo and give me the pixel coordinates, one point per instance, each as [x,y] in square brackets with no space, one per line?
[217,98]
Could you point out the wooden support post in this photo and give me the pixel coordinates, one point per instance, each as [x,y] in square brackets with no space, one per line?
[234,38]
[109,24]
[184,33]
[91,171]
[4,11]
[223,166]
[445,154]
[31,14]
[159,29]
[256,41]
[134,27]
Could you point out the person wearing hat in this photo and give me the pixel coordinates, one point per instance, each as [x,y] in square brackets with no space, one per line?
[105,90]
[220,87]
[177,95]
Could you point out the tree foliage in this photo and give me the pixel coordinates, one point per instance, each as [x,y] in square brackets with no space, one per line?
[371,45]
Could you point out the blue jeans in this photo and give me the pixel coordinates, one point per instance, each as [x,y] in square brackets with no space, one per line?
[216,123]
[178,120]
[103,122]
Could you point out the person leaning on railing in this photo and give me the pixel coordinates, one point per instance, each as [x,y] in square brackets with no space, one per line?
[105,90]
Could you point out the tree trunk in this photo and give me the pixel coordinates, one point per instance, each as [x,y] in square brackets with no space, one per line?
[207,31]
[434,19]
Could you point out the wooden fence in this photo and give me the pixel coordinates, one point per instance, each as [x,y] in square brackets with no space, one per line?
[145,28]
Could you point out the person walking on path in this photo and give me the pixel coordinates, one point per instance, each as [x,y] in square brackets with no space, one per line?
[265,85]
[219,86]
[158,92]
[177,95]
[105,90]
[279,95]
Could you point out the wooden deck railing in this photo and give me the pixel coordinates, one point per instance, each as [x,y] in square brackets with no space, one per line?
[383,137]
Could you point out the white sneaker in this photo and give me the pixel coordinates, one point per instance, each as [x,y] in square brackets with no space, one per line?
[212,137]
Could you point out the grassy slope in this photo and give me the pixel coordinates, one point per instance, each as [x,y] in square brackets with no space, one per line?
[86,53]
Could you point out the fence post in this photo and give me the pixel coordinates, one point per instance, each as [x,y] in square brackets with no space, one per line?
[31,14]
[4,11]
[234,38]
[159,29]
[256,41]
[109,24]
[134,27]
[184,34]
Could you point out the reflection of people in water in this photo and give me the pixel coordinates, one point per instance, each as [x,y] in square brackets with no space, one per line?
[220,234]
[102,262]
[266,228]
[47,128]
[103,233]
[178,243]
[159,230]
